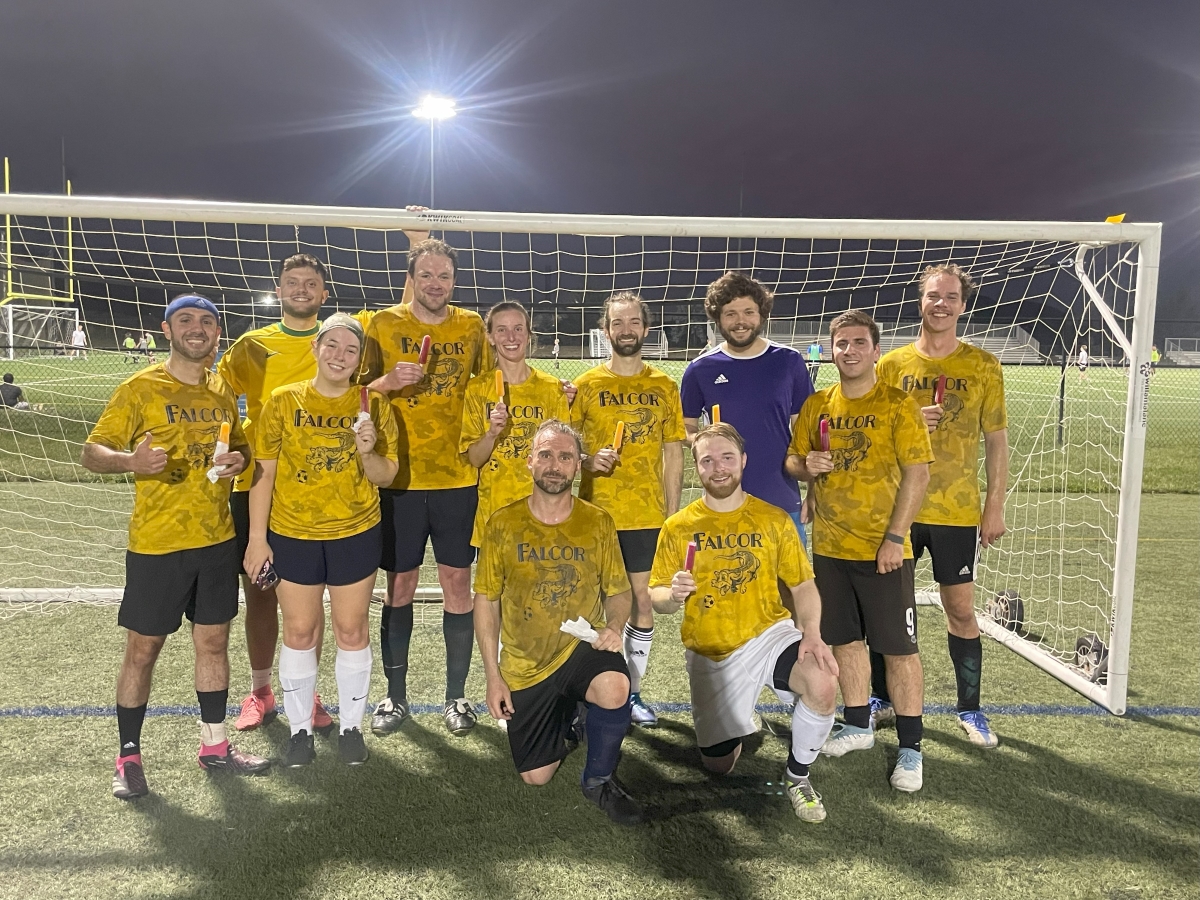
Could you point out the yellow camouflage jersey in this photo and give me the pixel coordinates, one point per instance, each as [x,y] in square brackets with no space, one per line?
[321,492]
[259,362]
[429,412]
[740,558]
[544,575]
[179,508]
[648,404]
[973,403]
[871,438]
[505,476]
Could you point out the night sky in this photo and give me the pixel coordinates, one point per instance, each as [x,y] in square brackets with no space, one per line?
[1002,110]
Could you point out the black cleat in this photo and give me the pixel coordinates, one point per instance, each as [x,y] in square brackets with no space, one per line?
[224,757]
[129,781]
[612,797]
[389,716]
[352,749]
[300,750]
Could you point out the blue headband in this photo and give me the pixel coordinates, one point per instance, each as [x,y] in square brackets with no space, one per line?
[191,301]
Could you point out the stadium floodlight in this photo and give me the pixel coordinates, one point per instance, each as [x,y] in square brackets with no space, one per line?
[268,299]
[435,109]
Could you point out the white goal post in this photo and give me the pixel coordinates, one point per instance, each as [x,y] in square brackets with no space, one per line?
[1059,590]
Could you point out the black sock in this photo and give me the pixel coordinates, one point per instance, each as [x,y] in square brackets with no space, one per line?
[879,677]
[605,731]
[795,767]
[858,716]
[967,656]
[458,629]
[212,705]
[395,632]
[129,727]
[908,731]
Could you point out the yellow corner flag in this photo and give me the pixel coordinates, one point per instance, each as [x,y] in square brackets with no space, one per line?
[1117,219]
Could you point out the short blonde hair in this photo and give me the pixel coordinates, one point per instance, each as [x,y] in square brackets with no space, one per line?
[716,430]
[953,269]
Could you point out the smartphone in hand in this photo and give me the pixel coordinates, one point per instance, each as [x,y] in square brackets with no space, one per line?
[267,578]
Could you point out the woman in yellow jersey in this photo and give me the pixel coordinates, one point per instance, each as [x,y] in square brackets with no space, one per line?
[501,417]
[324,446]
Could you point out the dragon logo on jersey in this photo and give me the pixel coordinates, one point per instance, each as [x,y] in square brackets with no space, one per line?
[555,584]
[848,450]
[744,569]
[332,456]
[201,443]
[952,407]
[520,439]
[640,429]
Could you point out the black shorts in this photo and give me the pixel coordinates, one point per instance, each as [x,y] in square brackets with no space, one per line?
[637,548]
[336,562]
[160,588]
[953,548]
[542,714]
[239,508]
[410,518]
[857,602]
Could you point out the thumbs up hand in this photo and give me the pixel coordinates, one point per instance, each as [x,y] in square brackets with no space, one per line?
[147,460]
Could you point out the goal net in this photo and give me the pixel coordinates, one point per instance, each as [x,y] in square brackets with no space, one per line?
[1058,589]
[36,330]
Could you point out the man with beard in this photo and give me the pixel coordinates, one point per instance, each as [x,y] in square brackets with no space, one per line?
[162,426]
[638,483]
[759,385]
[255,365]
[545,560]
[739,636]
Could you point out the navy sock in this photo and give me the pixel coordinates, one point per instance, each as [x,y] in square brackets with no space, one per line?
[858,716]
[129,727]
[212,705]
[458,629]
[967,656]
[395,632]
[795,767]
[908,731]
[606,729]
[879,677]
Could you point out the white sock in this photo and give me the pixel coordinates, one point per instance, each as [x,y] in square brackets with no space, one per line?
[809,731]
[298,678]
[260,678]
[353,670]
[637,654]
[212,733]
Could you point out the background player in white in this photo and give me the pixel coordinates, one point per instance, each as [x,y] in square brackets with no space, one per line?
[949,523]
[1082,362]
[78,342]
[739,636]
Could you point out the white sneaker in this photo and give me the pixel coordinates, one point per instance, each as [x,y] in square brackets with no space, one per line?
[908,776]
[805,800]
[978,730]
[845,738]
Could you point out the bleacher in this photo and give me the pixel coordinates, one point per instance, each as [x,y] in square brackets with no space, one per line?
[1011,344]
[1182,351]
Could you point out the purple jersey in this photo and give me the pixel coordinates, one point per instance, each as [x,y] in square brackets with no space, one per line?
[758,396]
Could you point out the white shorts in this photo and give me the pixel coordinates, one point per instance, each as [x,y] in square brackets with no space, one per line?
[724,693]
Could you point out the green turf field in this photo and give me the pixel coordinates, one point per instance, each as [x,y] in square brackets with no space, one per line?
[1071,805]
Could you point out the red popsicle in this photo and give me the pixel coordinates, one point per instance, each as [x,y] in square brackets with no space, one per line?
[690,560]
[939,391]
[824,428]
[424,356]
[364,400]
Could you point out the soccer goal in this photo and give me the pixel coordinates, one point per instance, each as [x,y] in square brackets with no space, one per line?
[36,330]
[1059,589]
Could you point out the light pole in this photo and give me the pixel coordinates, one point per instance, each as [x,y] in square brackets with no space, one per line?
[435,109]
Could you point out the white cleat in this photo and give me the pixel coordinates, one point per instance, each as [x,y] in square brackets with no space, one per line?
[908,776]
[845,738]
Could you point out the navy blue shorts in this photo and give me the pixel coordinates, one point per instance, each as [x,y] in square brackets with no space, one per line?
[411,518]
[337,562]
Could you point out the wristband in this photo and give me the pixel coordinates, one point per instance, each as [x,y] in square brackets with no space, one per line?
[894,538]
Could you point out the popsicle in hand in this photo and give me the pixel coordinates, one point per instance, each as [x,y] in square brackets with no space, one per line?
[618,437]
[716,413]
[689,561]
[423,357]
[220,450]
[939,391]
[364,409]
[824,429]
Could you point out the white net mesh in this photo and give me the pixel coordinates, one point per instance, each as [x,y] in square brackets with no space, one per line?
[1066,431]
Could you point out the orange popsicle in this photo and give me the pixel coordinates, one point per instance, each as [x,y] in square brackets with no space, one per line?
[618,436]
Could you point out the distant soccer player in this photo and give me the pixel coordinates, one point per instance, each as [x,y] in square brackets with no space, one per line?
[255,365]
[434,494]
[317,494]
[130,347]
[868,487]
[162,425]
[497,433]
[639,483]
[78,342]
[556,349]
[151,348]
[949,524]
[759,385]
[739,636]
[814,360]
[1082,362]
[546,560]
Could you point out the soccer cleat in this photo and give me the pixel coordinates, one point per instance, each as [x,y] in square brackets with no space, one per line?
[459,715]
[844,738]
[224,757]
[883,713]
[300,751]
[640,713]
[322,722]
[129,781]
[976,725]
[389,715]
[908,775]
[257,709]
[805,800]
[352,749]
[611,797]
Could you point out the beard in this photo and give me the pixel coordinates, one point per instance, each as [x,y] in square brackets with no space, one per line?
[627,349]
[552,487]
[178,346]
[744,342]
[721,491]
